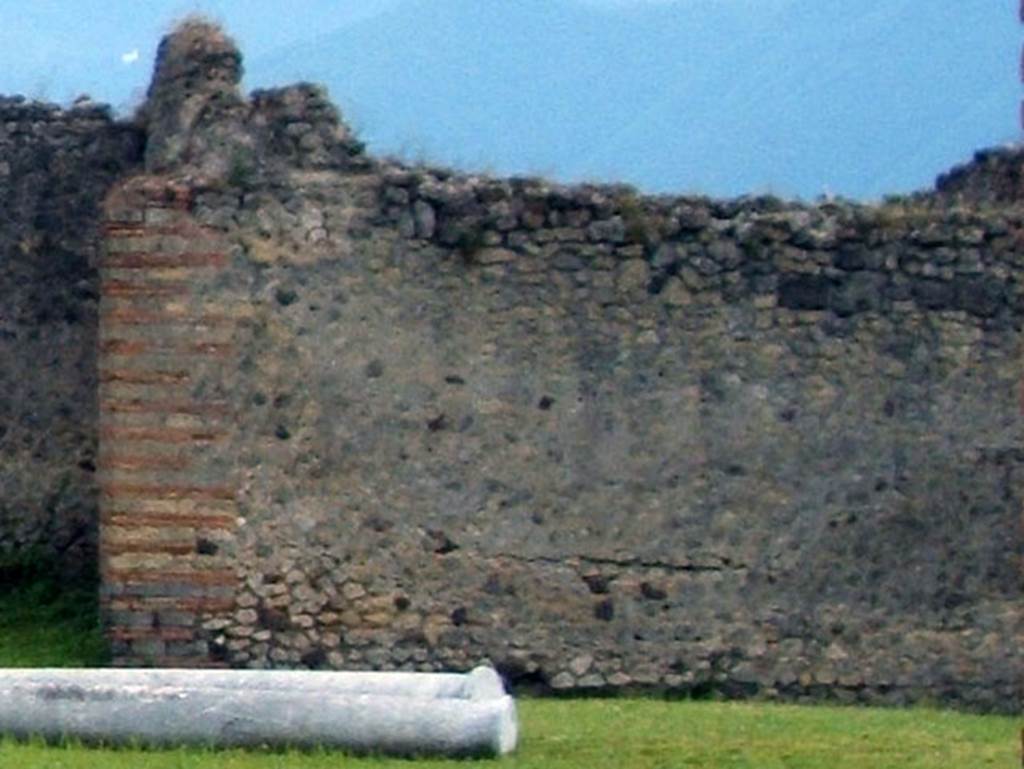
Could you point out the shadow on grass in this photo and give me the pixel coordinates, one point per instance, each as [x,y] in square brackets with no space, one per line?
[48,619]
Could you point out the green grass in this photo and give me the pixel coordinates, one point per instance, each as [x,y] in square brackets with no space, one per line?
[643,734]
[40,625]
[43,623]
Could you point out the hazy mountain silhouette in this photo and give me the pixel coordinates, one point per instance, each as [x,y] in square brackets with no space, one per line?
[699,96]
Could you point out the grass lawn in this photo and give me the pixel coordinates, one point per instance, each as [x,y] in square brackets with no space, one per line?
[42,626]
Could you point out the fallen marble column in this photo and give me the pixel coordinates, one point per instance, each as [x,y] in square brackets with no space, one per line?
[394,713]
[479,684]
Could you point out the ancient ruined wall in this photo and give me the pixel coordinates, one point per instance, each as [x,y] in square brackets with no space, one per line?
[173,309]
[597,439]
[601,440]
[992,177]
[365,416]
[55,167]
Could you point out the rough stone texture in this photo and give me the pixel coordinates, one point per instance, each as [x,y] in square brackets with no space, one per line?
[744,446]
[598,439]
[193,109]
[55,167]
[196,118]
[993,177]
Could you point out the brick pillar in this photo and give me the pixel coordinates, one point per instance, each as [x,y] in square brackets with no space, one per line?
[167,502]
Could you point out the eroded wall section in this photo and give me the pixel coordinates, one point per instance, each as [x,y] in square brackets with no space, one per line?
[602,440]
[357,415]
[56,165]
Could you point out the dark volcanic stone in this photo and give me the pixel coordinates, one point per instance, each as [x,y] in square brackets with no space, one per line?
[804,292]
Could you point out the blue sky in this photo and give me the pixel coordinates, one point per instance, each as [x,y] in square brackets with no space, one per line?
[723,97]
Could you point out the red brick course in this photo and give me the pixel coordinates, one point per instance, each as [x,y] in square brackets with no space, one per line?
[158,548]
[164,407]
[205,578]
[155,612]
[123,288]
[123,347]
[182,603]
[129,348]
[146,462]
[160,435]
[160,633]
[133,376]
[209,521]
[185,228]
[133,260]
[169,491]
[134,317]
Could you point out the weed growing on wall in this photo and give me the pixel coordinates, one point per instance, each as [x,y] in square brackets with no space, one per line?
[641,229]
[241,168]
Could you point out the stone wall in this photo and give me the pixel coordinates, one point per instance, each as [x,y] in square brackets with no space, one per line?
[355,414]
[597,439]
[607,441]
[992,177]
[55,167]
